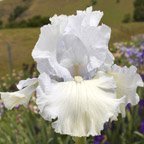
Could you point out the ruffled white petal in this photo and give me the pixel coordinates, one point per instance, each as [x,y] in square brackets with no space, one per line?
[21,97]
[73,55]
[109,61]
[47,40]
[127,81]
[59,21]
[100,36]
[44,53]
[95,46]
[89,17]
[48,64]
[84,19]
[71,41]
[92,18]
[79,107]
[24,83]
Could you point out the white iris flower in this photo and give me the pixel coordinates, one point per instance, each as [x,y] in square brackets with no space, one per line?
[78,88]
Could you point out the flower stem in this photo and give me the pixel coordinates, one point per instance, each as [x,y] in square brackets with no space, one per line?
[79,140]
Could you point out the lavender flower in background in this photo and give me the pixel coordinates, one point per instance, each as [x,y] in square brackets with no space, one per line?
[142,75]
[133,52]
[141,107]
[142,127]
[134,55]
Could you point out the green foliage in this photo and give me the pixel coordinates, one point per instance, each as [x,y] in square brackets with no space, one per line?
[1,24]
[124,131]
[17,13]
[22,126]
[139,10]
[94,2]
[8,82]
[117,1]
[127,18]
[36,21]
[138,3]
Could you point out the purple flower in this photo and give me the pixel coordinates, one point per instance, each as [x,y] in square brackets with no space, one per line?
[142,127]
[142,55]
[17,107]
[133,51]
[128,107]
[141,103]
[106,142]
[98,139]
[141,107]
[142,76]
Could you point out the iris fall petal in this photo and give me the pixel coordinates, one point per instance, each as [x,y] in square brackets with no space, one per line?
[79,107]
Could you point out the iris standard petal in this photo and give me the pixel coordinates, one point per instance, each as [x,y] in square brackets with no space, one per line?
[70,42]
[48,64]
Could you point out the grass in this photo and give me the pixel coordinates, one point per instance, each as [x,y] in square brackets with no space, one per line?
[114,12]
[22,42]
[123,32]
[51,7]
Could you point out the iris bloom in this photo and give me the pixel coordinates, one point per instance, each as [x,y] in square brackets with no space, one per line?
[78,88]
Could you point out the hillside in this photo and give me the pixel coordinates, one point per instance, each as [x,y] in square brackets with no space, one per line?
[41,7]
[114,12]
[7,7]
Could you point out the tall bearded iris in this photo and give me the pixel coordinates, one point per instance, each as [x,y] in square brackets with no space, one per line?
[78,88]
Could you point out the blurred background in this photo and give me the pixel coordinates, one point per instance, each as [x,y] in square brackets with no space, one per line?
[20,22]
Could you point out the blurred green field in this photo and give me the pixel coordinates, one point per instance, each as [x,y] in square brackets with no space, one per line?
[22,41]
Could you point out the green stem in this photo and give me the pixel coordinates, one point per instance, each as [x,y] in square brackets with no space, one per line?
[79,140]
